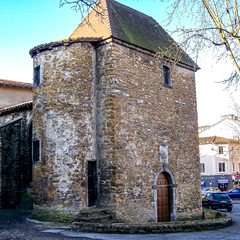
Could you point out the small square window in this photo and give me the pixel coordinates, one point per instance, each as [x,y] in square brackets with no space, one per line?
[166,76]
[36,150]
[36,77]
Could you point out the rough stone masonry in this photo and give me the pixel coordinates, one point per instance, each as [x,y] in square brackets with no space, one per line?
[105,102]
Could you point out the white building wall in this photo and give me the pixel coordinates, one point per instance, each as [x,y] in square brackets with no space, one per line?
[224,129]
[211,158]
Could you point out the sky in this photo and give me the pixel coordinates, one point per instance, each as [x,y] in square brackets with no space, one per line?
[28,23]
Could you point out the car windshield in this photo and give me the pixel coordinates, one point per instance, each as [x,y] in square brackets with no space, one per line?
[220,195]
[234,190]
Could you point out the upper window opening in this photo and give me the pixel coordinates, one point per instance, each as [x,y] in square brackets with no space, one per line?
[221,167]
[220,150]
[36,77]
[167,76]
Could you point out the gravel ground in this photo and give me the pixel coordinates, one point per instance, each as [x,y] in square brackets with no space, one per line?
[14,225]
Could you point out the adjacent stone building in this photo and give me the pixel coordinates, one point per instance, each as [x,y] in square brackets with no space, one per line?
[15,153]
[115,126]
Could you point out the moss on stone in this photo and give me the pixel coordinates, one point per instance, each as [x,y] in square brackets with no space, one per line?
[52,216]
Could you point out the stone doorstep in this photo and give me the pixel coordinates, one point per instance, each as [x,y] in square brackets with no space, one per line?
[171,227]
[95,215]
[93,212]
[95,219]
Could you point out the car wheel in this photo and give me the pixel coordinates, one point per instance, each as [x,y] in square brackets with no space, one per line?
[229,209]
[209,206]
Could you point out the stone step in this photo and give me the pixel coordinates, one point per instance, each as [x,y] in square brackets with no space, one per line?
[94,213]
[96,219]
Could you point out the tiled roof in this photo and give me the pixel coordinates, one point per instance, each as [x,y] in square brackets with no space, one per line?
[125,24]
[14,83]
[216,140]
[65,42]
[15,108]
[134,27]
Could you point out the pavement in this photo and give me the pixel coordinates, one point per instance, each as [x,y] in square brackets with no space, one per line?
[15,225]
[228,233]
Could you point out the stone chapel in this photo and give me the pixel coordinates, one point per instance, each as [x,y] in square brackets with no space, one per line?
[115,121]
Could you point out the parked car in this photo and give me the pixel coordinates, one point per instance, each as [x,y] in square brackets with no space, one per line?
[228,190]
[216,200]
[210,189]
[234,193]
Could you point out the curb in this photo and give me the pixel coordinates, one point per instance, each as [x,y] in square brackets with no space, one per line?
[171,227]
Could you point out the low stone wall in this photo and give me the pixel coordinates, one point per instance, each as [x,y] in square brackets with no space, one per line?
[171,227]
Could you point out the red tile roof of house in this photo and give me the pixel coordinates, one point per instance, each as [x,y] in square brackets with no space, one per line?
[15,84]
[216,140]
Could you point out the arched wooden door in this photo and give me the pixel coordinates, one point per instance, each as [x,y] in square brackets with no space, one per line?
[163,206]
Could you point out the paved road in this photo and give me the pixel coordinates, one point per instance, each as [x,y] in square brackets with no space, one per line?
[15,226]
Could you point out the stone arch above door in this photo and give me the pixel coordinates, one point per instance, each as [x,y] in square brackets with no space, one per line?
[172,193]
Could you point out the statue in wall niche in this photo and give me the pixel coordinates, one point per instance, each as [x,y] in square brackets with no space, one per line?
[163,154]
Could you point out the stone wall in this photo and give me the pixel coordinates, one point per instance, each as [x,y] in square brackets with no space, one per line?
[64,124]
[110,105]
[15,156]
[136,115]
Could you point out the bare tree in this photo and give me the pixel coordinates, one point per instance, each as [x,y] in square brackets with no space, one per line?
[215,26]
[84,6]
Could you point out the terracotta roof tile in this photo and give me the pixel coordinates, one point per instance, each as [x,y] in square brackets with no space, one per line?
[17,107]
[216,140]
[64,42]
[14,83]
